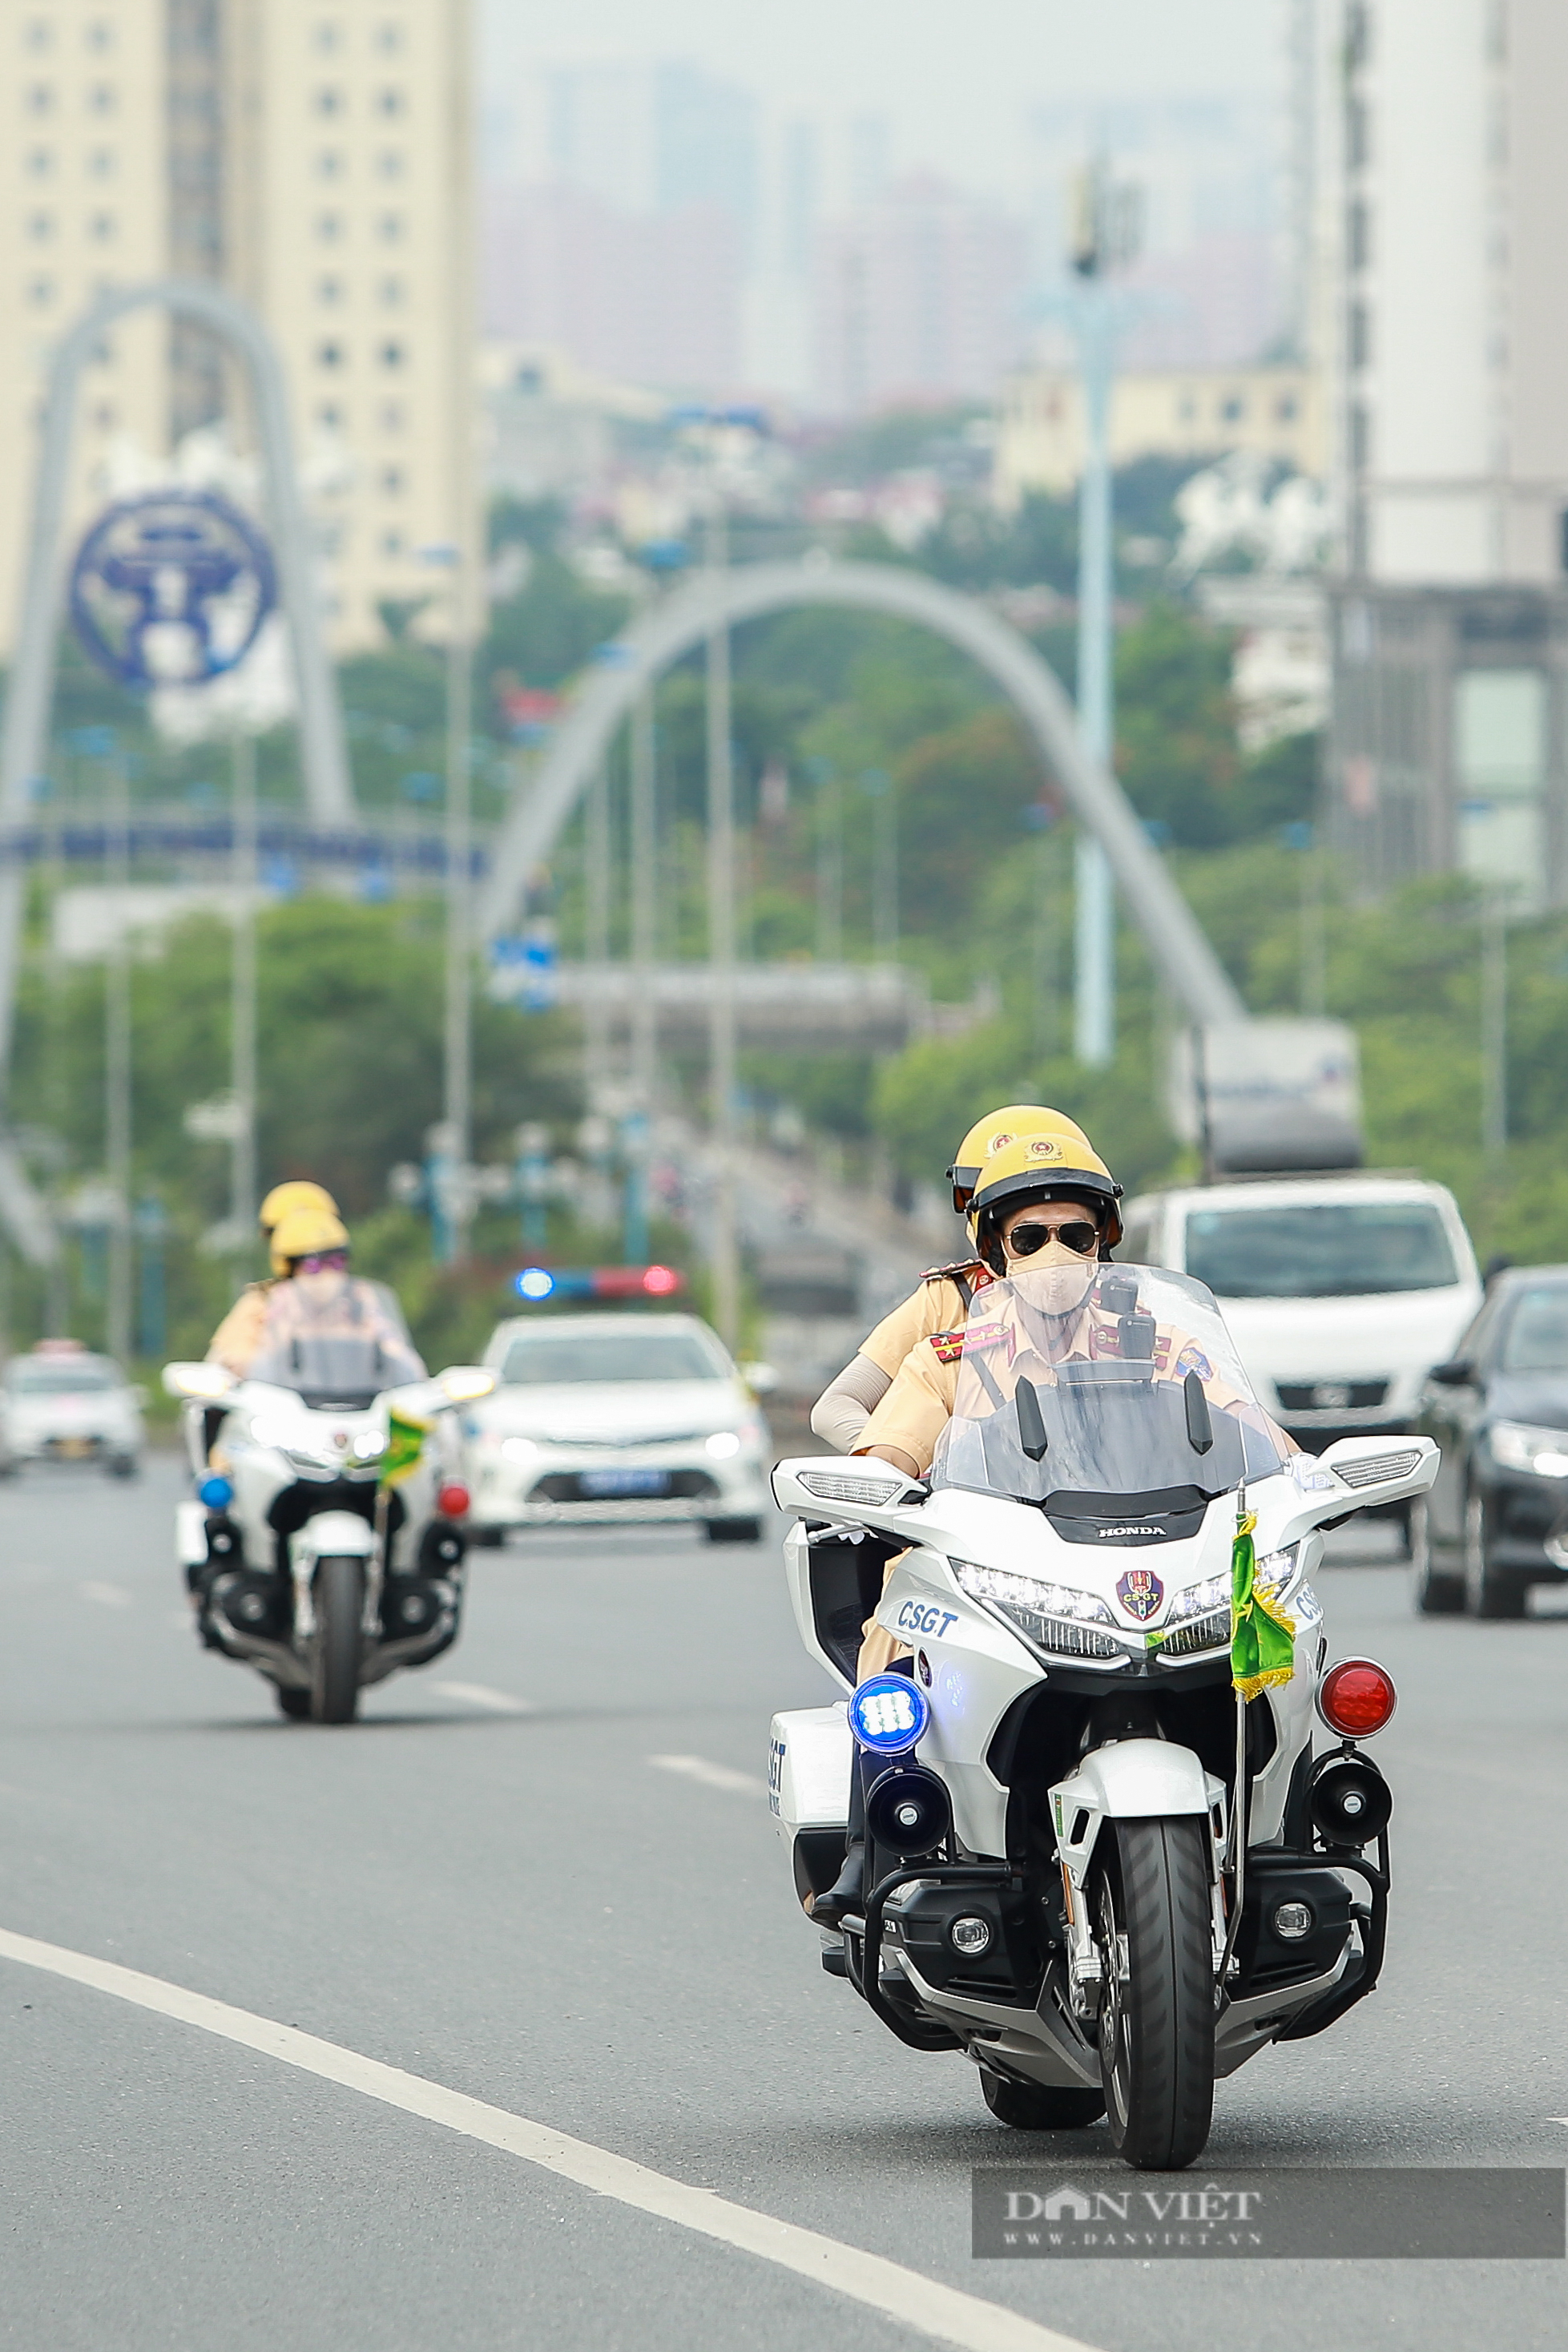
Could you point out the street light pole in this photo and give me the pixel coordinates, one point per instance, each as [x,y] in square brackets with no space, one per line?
[1494,1027]
[242,1017]
[725,1258]
[117,1067]
[1095,1023]
[644,955]
[1106,231]
[458,1108]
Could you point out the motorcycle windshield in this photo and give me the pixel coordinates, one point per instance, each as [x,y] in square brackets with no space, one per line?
[1104,1381]
[333,1336]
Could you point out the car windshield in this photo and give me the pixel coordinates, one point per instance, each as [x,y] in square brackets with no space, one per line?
[552,1359]
[1108,1380]
[1328,1249]
[60,1376]
[1536,1339]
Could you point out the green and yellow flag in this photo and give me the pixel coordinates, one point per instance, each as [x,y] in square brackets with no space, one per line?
[405,1446]
[1262,1638]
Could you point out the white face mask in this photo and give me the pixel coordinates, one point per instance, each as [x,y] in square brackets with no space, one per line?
[1055,1281]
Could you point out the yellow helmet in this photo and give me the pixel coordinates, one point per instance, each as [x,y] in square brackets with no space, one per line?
[994,1133]
[295,1194]
[1050,1165]
[305,1233]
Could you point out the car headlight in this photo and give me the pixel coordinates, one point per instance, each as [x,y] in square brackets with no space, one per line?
[1004,1585]
[723,1444]
[517,1449]
[1519,1446]
[369,1443]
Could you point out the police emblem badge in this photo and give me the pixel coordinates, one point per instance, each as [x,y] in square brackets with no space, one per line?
[1140,1594]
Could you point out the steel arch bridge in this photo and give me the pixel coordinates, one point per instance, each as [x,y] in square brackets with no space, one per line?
[675,627]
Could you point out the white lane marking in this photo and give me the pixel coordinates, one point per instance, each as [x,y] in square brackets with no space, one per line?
[111,1596]
[481,1694]
[945,2314]
[712,1775]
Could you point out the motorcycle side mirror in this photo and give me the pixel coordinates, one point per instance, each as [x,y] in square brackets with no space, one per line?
[203,1383]
[1031,1422]
[760,1379]
[1458,1374]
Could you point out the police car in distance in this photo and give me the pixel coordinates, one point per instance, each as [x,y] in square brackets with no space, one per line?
[613,1419]
[62,1404]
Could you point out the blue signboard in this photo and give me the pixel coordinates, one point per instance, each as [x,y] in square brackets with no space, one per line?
[171,588]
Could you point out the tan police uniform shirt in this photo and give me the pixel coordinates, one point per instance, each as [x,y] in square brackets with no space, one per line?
[237,1338]
[939,1303]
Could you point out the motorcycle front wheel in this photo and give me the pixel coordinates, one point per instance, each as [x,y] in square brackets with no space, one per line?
[339,1607]
[1152,1919]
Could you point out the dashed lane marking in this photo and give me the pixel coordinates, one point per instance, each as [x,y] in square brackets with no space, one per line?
[944,2314]
[712,1775]
[494,1702]
[109,1596]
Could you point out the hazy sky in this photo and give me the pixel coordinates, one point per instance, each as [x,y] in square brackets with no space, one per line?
[955,77]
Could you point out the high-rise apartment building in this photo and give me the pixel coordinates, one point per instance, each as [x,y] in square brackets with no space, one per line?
[624,220]
[84,204]
[1443,319]
[919,296]
[313,156]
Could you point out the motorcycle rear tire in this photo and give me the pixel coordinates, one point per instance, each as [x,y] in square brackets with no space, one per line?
[1156,2025]
[339,1608]
[1039,2106]
[294,1703]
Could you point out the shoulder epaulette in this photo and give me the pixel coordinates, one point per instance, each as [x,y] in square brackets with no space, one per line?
[948,1345]
[969,1268]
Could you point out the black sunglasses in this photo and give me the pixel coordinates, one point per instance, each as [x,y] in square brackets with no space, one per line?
[1080,1235]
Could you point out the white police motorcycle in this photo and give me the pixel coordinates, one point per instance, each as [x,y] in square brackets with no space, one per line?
[302,1559]
[1088,1864]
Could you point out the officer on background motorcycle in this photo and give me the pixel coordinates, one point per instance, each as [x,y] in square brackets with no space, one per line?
[942,1298]
[317,1299]
[235,1341]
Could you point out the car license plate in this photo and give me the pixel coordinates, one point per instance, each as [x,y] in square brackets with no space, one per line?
[605,1483]
[73,1447]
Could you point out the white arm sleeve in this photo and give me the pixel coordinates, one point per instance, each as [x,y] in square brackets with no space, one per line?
[844,1409]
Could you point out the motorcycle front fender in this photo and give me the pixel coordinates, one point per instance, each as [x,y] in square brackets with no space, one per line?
[1134,1779]
[331,1535]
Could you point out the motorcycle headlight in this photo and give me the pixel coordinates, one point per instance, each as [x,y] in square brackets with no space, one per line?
[1004,1585]
[1273,1572]
[1199,1599]
[1517,1446]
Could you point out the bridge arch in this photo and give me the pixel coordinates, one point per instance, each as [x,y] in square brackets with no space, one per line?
[681,621]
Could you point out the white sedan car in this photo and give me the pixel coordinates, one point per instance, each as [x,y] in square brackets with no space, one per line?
[603,1420]
[62,1404]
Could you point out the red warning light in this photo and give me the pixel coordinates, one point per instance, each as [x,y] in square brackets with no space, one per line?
[660,1281]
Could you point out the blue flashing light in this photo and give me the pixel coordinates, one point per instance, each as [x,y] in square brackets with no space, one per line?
[216,1493]
[535,1282]
[890,1715]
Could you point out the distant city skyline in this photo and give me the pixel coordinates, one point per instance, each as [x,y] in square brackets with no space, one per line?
[956,101]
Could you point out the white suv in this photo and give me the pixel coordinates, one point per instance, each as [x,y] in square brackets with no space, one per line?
[1339,1291]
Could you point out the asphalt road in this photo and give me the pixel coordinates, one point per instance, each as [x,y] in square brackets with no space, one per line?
[530,1907]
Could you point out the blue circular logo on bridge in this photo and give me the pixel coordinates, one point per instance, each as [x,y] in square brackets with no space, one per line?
[171,588]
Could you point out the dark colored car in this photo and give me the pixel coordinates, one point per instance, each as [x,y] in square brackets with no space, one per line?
[1496,1522]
